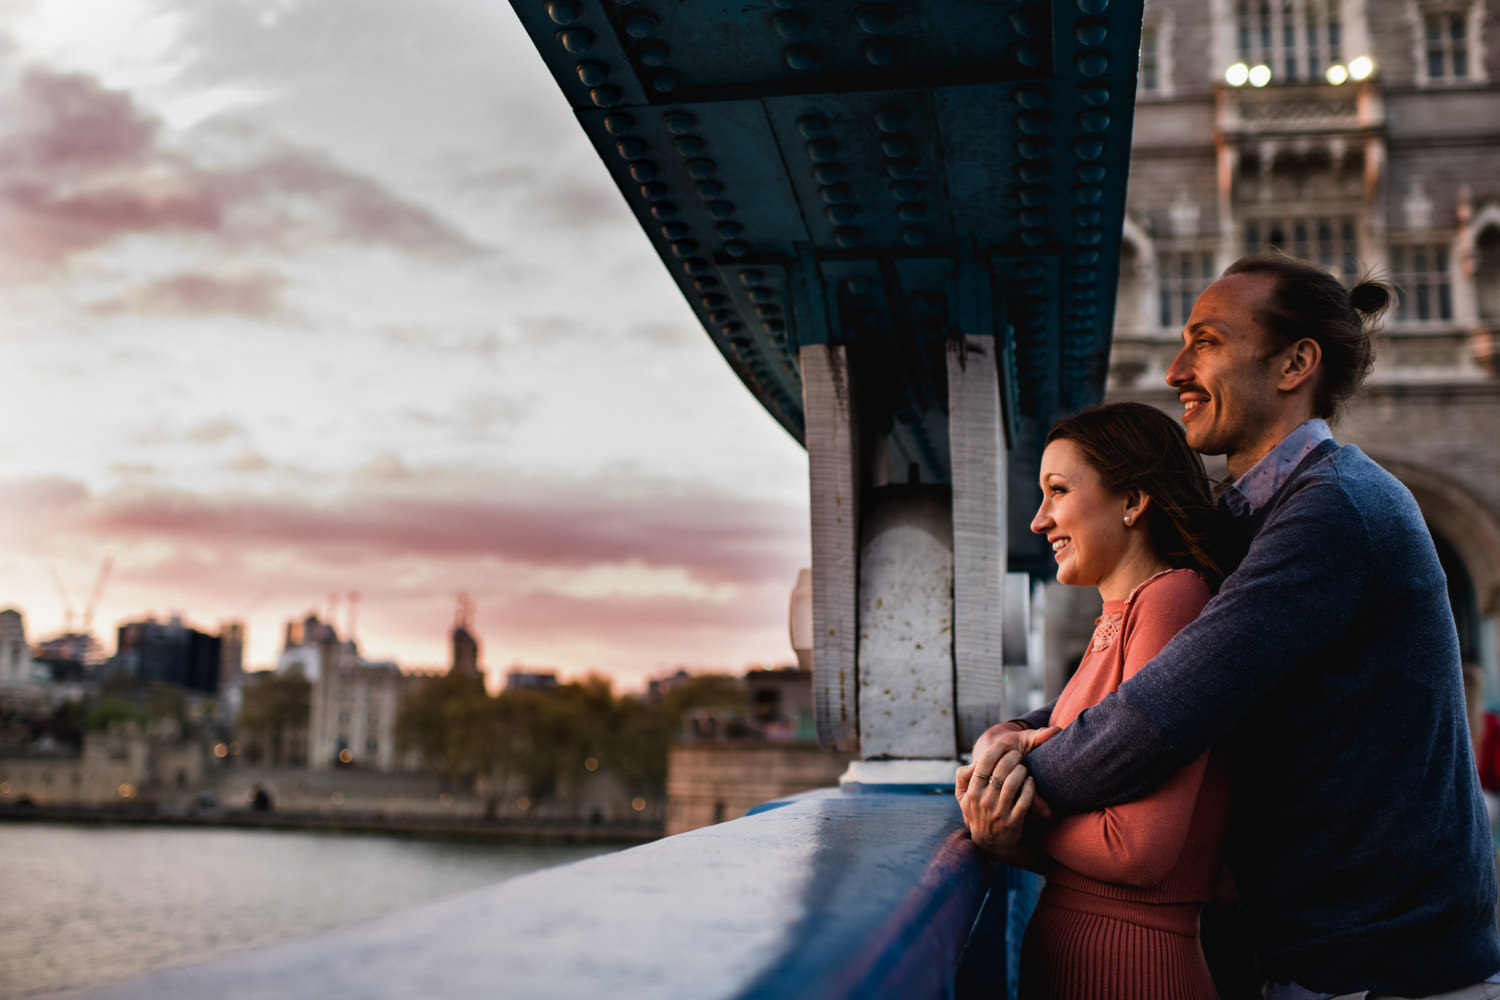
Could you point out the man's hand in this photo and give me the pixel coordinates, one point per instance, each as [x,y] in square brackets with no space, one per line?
[991,747]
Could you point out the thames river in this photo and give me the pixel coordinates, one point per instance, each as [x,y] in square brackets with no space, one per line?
[84,906]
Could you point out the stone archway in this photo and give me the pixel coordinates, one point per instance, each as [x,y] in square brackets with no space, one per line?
[1466,523]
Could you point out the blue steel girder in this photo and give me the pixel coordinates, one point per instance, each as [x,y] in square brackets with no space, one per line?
[882,175]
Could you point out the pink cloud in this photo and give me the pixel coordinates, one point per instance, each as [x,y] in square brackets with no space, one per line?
[254,295]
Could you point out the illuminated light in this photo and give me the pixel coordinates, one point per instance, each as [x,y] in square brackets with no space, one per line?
[337,798]
[1260,75]
[592,764]
[4,788]
[1237,74]
[221,750]
[638,804]
[345,756]
[1336,74]
[445,799]
[523,803]
[126,790]
[1362,67]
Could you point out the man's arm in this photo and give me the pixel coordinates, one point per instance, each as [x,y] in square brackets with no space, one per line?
[1295,593]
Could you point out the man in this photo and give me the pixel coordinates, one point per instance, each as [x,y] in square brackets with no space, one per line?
[1326,671]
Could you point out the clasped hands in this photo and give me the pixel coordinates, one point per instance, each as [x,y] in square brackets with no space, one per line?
[995,792]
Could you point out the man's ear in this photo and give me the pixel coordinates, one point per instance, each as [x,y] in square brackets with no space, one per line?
[1298,364]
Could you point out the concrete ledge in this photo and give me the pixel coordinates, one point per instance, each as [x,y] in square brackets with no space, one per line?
[830,894]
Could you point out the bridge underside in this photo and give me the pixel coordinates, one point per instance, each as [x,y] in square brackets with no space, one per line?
[900,224]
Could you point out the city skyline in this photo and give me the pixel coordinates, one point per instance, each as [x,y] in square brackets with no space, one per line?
[303,299]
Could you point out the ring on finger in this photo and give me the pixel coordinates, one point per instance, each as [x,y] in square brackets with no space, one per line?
[982,777]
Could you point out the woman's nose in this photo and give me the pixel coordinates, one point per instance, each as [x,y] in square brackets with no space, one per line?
[1041,521]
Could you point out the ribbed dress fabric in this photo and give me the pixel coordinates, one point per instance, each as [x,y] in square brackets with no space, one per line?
[1118,918]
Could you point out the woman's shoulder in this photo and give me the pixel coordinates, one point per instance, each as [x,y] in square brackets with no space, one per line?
[1174,588]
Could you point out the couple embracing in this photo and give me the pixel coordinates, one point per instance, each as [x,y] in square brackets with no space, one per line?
[1274,683]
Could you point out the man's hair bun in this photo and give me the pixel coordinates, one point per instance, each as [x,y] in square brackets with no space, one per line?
[1371,297]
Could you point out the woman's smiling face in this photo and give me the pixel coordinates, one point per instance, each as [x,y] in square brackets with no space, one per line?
[1084,522]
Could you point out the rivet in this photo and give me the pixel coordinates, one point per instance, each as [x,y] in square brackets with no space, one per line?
[592,73]
[848,236]
[1033,237]
[914,236]
[1084,273]
[1031,270]
[1091,32]
[721,315]
[911,211]
[767,312]
[873,18]
[1094,121]
[642,171]
[858,285]
[695,266]
[652,53]
[688,145]
[802,57]
[720,209]
[892,119]
[663,210]
[1087,256]
[729,230]
[1030,97]
[880,52]
[605,97]
[760,296]
[812,126]
[1093,6]
[1035,288]
[1093,63]
[751,277]
[1091,173]
[1088,149]
[706,282]
[1087,194]
[840,215]
[1033,197]
[896,146]
[631,149]
[1031,149]
[790,25]
[618,123]
[1088,216]
[653,189]
[684,248]
[1095,96]
[1033,217]
[714,301]
[773,326]
[1088,237]
[665,82]
[1024,25]
[1032,173]
[563,11]
[822,150]
[1027,55]
[701,170]
[836,194]
[680,122]
[674,230]
[576,40]
[901,169]
[709,190]
[828,173]
[641,24]
[905,190]
[1085,309]
[1031,123]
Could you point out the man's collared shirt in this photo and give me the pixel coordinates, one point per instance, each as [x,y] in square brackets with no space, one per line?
[1254,489]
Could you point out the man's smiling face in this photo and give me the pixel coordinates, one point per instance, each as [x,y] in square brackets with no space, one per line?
[1226,373]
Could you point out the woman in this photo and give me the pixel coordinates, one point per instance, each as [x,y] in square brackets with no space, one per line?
[1126,507]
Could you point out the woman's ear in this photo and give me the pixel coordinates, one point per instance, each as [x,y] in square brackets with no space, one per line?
[1136,503]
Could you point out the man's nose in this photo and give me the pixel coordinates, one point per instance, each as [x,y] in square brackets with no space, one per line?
[1179,371]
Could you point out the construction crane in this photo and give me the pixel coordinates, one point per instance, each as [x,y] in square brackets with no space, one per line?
[62,593]
[88,613]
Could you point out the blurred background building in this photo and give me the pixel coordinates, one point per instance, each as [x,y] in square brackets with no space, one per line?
[1359,135]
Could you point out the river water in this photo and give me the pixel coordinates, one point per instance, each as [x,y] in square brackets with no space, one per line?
[84,906]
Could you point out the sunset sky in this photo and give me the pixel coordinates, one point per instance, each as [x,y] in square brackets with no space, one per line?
[301,298]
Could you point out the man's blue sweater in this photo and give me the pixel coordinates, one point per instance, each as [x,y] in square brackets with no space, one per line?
[1327,673]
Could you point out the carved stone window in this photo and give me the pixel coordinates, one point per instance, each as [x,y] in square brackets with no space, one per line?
[1298,39]
[1329,240]
[1182,273]
[1448,41]
[1423,273]
[1155,79]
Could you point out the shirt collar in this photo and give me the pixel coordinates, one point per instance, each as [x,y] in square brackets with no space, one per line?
[1254,489]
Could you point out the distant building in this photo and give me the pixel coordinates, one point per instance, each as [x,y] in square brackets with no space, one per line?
[354,701]
[657,687]
[530,680]
[170,653]
[231,654]
[15,655]
[781,704]
[465,661]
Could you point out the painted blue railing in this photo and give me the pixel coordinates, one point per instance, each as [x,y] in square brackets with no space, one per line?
[858,893]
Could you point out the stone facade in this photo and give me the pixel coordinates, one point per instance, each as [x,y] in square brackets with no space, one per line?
[1399,171]
[712,782]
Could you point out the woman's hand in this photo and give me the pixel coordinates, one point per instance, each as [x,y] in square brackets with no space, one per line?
[995,792]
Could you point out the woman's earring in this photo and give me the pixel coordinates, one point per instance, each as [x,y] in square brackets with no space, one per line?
[1127,520]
